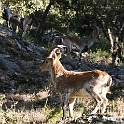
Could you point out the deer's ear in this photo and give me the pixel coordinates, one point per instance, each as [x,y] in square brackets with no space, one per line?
[48,60]
[51,59]
[59,55]
[53,56]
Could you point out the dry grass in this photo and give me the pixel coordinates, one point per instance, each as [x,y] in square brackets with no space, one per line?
[21,117]
[115,108]
[49,115]
[13,111]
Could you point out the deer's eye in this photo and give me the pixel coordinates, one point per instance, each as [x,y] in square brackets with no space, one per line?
[45,61]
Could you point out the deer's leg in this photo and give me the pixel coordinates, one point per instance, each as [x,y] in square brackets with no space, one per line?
[97,97]
[23,34]
[98,105]
[85,49]
[105,102]
[80,55]
[69,49]
[24,31]
[71,105]
[64,107]
[8,24]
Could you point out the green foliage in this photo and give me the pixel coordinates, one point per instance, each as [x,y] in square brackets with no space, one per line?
[70,16]
[100,53]
[55,114]
[24,7]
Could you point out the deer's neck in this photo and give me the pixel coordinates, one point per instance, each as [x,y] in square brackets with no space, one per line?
[57,71]
[90,42]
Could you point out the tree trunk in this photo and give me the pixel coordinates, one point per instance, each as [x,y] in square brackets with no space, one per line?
[115,50]
[110,39]
[114,47]
[41,27]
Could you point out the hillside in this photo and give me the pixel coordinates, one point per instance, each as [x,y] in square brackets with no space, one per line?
[23,87]
[19,61]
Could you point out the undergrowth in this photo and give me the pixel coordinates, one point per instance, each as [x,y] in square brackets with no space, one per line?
[50,115]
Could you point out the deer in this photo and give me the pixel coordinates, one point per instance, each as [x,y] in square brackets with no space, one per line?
[83,45]
[13,19]
[9,17]
[24,23]
[71,85]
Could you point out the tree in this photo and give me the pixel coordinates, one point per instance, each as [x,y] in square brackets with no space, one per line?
[111,19]
[78,16]
[44,16]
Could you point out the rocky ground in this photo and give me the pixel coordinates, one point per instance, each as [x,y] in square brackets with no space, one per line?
[19,61]
[20,79]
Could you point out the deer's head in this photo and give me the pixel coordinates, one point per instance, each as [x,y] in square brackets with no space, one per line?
[52,59]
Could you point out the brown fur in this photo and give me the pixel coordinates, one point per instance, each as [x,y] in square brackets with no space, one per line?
[96,83]
[83,45]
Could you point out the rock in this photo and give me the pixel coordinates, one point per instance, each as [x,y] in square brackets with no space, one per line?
[19,60]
